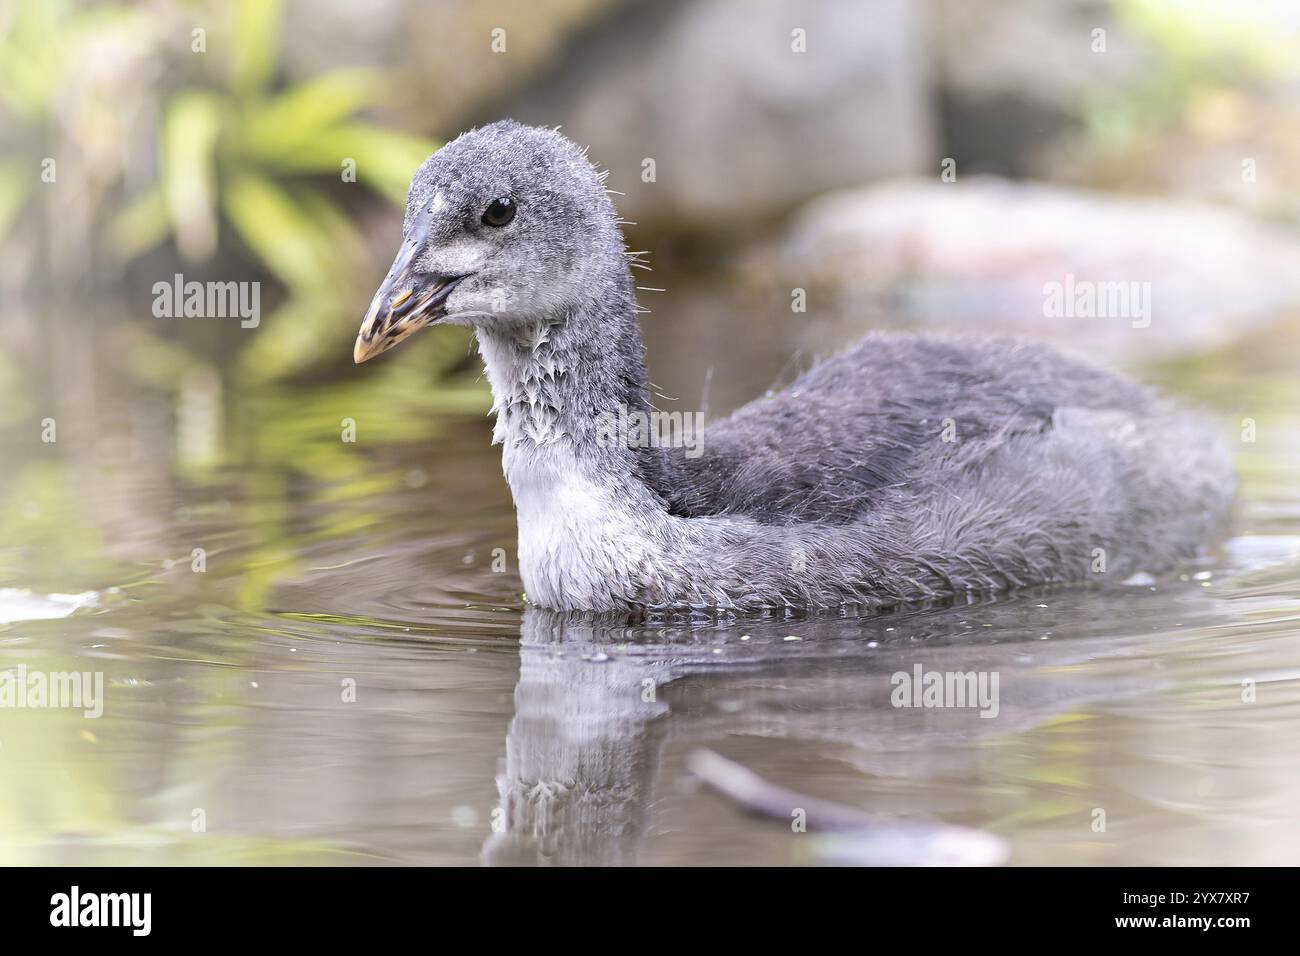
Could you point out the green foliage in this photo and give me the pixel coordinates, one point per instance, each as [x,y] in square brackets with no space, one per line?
[239,166]
[1194,51]
[48,106]
[246,158]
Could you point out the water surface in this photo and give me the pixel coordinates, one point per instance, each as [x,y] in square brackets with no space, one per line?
[352,677]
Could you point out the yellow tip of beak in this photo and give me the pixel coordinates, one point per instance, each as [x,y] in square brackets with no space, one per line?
[362,350]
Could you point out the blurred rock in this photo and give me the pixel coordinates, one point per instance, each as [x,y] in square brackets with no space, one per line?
[987,255]
[1012,75]
[737,123]
[1041,53]
[447,67]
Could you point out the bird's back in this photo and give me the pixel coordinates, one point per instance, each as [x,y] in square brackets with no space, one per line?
[893,429]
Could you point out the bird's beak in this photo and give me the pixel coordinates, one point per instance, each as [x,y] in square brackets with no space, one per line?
[406,302]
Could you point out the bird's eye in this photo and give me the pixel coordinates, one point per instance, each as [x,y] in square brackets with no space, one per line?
[499,212]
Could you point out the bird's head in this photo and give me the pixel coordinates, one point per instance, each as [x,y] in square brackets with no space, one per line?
[505,224]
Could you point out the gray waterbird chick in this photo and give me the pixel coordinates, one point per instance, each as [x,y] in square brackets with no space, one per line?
[908,468]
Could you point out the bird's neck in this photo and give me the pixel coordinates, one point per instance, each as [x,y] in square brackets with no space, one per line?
[559,383]
[590,518]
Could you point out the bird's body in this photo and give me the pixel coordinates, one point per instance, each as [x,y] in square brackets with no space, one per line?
[907,468]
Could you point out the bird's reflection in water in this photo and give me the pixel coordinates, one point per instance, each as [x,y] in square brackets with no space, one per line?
[592,705]
[583,745]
